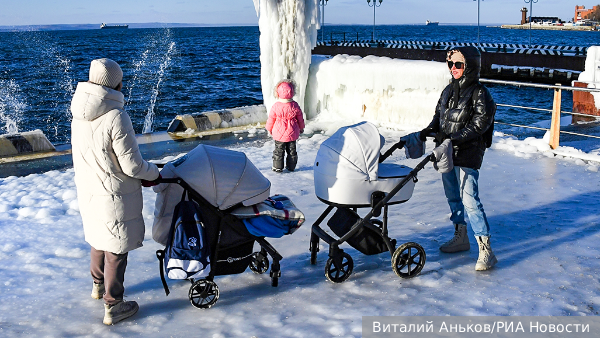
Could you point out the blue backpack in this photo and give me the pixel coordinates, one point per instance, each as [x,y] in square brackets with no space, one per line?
[187,254]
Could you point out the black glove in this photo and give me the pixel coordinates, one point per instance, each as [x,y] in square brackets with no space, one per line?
[440,137]
[148,184]
[424,133]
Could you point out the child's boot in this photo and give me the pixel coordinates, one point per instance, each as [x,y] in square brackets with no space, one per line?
[277,164]
[291,162]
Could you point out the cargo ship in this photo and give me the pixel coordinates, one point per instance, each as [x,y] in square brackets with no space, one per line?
[432,23]
[105,26]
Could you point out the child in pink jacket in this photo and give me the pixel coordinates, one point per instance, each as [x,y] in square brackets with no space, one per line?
[285,123]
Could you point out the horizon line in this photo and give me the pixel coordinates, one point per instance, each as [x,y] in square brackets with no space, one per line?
[246,24]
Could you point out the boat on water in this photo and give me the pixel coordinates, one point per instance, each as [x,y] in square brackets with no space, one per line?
[431,23]
[105,26]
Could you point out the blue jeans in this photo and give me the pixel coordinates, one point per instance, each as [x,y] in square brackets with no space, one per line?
[462,192]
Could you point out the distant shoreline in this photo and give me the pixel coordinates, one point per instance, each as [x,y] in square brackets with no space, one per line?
[551,28]
[64,27]
[70,27]
[58,27]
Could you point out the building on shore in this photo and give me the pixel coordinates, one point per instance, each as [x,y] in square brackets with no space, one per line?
[542,20]
[582,14]
[583,20]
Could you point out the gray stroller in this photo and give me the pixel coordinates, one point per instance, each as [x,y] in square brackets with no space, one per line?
[223,183]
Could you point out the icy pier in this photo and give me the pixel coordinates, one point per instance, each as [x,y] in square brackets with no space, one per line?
[557,64]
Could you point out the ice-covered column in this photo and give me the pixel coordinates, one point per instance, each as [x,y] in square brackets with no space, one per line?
[288,32]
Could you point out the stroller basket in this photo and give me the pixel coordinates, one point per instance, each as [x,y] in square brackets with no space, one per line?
[365,240]
[231,250]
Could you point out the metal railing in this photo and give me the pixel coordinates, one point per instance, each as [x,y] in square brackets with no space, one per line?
[337,38]
[556,108]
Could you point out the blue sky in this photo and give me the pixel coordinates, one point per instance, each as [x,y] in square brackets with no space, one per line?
[232,12]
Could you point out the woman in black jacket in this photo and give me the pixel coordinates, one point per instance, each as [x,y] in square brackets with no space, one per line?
[465,115]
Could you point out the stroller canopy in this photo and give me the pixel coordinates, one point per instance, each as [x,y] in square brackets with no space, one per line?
[223,177]
[351,153]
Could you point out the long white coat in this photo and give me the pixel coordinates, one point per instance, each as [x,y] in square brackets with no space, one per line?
[108,169]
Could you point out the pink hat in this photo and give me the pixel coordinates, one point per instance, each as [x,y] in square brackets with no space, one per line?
[285,90]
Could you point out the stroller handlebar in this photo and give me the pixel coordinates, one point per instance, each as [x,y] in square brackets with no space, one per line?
[399,145]
[160,165]
[388,153]
[169,180]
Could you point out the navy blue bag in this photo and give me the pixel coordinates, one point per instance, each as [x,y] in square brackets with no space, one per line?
[187,254]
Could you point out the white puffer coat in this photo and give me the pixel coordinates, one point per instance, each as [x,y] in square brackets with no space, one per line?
[108,169]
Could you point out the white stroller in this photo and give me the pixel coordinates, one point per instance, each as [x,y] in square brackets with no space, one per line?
[348,175]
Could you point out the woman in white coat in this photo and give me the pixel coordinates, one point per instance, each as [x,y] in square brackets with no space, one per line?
[109,169]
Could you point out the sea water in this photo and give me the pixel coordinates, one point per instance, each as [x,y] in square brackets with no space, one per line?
[171,71]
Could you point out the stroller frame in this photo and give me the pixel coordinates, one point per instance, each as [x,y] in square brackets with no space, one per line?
[407,260]
[204,292]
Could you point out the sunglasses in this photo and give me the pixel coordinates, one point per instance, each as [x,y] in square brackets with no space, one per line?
[458,65]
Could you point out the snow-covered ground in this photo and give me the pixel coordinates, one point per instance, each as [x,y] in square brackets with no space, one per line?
[543,211]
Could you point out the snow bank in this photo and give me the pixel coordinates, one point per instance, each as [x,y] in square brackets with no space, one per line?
[388,92]
[532,147]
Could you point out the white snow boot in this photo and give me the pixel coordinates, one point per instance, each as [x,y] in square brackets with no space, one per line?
[117,312]
[97,291]
[486,259]
[460,241]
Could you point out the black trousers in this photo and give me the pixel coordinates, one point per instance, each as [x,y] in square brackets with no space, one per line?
[281,148]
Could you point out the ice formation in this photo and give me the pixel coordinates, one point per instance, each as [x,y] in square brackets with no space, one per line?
[246,115]
[591,74]
[388,92]
[288,32]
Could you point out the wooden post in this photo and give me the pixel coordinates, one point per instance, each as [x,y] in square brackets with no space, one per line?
[555,124]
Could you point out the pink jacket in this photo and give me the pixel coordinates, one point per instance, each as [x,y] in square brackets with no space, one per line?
[285,121]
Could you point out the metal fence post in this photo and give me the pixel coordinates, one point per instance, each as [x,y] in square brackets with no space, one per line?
[555,124]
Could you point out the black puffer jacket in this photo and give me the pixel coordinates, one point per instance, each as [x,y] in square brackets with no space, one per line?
[466,121]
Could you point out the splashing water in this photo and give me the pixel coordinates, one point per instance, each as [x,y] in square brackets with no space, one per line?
[137,68]
[163,67]
[58,85]
[66,81]
[12,106]
[149,71]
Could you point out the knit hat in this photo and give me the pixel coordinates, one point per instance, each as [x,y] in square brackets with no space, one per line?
[106,72]
[285,90]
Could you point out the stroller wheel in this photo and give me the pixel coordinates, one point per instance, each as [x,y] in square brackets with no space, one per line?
[339,268]
[408,260]
[259,263]
[203,294]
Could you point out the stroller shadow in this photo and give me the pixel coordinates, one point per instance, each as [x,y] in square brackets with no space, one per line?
[160,308]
